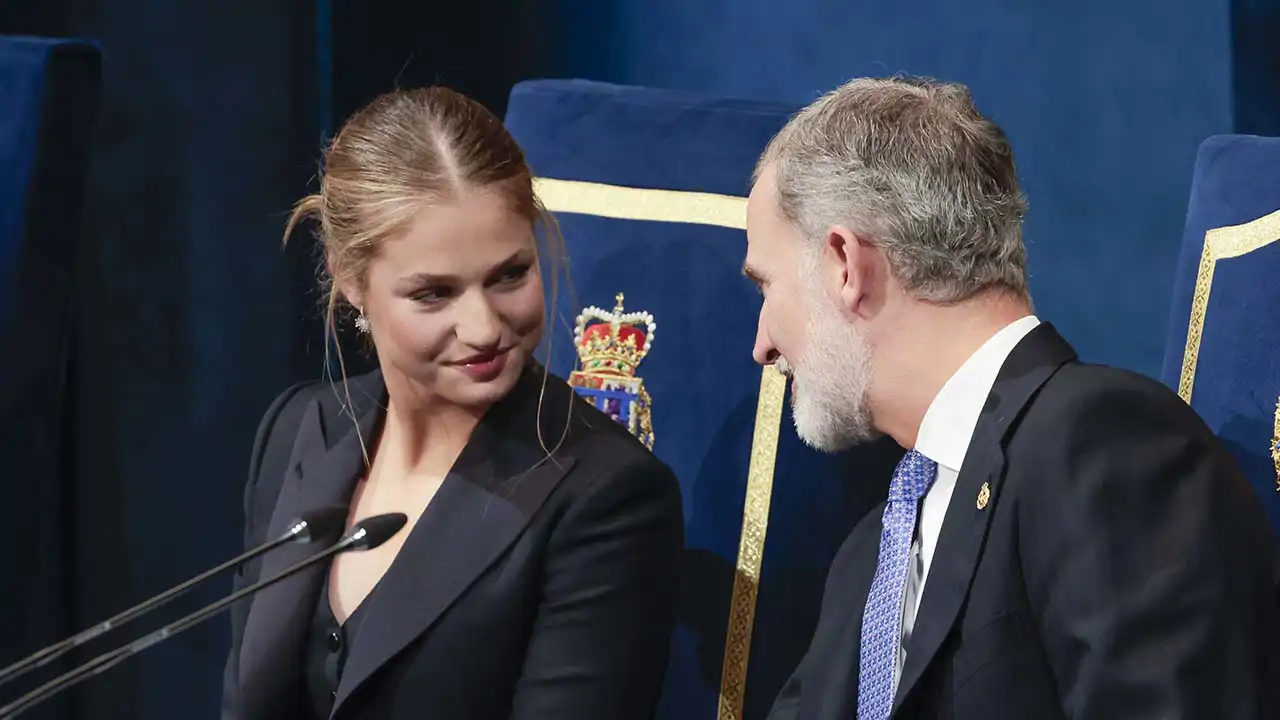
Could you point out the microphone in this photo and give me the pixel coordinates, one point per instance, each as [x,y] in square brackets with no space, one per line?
[365,535]
[319,525]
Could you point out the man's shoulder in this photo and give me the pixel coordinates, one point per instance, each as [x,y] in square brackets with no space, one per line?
[1076,377]
[1097,429]
[1092,424]
[1108,395]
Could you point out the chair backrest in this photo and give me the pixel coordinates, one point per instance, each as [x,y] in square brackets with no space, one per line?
[649,189]
[1223,351]
[48,99]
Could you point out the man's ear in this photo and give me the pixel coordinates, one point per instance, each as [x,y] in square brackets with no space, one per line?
[850,260]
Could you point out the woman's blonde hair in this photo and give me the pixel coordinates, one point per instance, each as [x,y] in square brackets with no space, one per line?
[405,149]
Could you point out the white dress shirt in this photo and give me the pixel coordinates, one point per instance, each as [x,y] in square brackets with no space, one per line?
[944,437]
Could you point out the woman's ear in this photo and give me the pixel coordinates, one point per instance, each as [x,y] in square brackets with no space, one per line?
[353,299]
[347,288]
[350,292]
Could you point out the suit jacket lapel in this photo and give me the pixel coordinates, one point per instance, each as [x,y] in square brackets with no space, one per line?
[276,625]
[500,480]
[839,668]
[964,529]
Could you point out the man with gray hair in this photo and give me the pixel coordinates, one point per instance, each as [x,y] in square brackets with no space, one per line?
[1060,539]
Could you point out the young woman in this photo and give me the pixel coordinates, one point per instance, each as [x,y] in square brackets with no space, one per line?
[538,574]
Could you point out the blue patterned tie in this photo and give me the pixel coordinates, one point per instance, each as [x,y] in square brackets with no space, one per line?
[882,618]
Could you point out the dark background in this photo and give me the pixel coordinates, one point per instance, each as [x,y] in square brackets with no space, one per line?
[191,317]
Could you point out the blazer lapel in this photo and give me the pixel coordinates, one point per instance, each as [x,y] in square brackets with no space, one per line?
[964,529]
[500,480]
[275,628]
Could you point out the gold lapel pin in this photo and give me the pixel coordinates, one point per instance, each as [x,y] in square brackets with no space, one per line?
[984,496]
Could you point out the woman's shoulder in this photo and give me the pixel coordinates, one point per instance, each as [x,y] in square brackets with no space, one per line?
[603,439]
[615,480]
[333,397]
[588,432]
[280,423]
[602,447]
[288,402]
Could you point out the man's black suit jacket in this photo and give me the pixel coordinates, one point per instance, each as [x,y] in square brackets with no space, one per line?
[533,587]
[1120,567]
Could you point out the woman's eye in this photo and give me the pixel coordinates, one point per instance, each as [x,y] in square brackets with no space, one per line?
[514,274]
[431,295]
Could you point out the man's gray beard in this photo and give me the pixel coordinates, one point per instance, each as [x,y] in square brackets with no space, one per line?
[830,382]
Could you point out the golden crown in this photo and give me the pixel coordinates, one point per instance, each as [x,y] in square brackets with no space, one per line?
[613,343]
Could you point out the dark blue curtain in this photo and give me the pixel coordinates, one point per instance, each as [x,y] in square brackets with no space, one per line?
[189,319]
[48,91]
[190,316]
[479,48]
[1255,27]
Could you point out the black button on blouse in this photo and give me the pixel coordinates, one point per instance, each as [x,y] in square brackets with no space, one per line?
[326,652]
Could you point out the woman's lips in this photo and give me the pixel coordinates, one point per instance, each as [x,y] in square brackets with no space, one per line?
[483,368]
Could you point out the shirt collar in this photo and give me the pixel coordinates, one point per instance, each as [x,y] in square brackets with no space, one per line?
[949,422]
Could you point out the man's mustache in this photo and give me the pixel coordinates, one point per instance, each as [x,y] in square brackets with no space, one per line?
[782,366]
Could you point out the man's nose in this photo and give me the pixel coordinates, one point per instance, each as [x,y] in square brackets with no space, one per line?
[764,352]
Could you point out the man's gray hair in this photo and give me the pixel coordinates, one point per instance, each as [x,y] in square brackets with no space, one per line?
[911,166]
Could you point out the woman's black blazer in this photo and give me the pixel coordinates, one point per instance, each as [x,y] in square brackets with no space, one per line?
[533,587]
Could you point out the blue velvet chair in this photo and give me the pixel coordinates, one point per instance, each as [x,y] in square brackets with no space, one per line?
[649,189]
[48,98]
[1223,352]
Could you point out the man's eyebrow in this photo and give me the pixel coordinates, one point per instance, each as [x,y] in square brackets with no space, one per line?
[753,274]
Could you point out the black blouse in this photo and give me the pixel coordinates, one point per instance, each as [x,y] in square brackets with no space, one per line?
[328,644]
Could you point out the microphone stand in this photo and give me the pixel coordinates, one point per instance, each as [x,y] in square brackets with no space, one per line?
[366,535]
[327,521]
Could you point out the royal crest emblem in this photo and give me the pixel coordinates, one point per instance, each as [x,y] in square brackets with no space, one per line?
[611,346]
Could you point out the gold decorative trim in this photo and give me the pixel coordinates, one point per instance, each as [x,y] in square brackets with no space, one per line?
[628,203]
[755,525]
[1219,244]
[1275,445]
